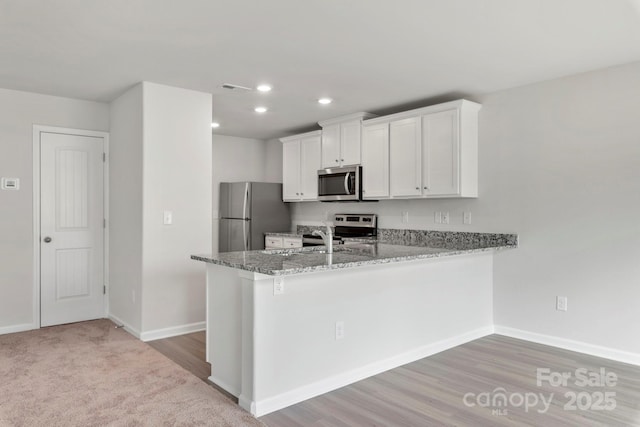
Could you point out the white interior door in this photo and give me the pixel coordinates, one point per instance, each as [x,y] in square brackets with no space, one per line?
[71,228]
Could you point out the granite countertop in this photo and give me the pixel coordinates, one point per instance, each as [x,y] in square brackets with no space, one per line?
[279,262]
[283,234]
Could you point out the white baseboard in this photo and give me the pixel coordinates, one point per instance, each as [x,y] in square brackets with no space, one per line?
[567,344]
[289,398]
[18,328]
[172,331]
[127,327]
[225,386]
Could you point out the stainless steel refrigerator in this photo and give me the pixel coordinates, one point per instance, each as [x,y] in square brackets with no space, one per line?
[247,211]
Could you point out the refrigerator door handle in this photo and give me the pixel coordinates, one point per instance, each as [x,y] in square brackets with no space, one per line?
[245,234]
[246,200]
[245,216]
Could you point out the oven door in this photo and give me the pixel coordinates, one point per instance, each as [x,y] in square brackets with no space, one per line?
[339,184]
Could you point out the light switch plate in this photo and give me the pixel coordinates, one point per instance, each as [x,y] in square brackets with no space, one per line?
[10,183]
[168,218]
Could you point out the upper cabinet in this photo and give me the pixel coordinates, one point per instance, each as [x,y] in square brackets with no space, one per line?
[300,164]
[432,152]
[429,152]
[341,140]
[375,161]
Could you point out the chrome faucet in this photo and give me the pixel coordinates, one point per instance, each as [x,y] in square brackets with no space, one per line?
[327,237]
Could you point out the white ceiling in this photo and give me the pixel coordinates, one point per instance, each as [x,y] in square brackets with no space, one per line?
[368,55]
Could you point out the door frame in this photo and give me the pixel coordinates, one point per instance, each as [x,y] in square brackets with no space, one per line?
[37,130]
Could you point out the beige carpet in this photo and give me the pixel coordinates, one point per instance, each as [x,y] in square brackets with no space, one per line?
[91,374]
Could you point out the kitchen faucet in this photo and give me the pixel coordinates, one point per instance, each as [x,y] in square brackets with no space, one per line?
[327,237]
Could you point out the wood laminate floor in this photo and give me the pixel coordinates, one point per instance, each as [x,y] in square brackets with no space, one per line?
[491,381]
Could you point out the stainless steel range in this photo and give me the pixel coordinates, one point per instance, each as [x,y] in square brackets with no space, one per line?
[347,225]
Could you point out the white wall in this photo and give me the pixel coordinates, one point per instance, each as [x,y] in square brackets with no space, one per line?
[19,111]
[177,177]
[559,166]
[125,221]
[238,159]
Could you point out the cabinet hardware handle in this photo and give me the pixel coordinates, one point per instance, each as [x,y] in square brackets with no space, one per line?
[297,194]
[417,188]
[47,239]
[337,161]
[302,194]
[426,188]
[342,160]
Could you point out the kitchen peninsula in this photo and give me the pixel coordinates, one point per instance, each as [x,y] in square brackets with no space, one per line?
[286,325]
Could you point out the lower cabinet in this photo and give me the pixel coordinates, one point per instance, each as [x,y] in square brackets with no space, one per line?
[279,242]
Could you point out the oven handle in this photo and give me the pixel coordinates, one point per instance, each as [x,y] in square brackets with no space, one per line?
[346,183]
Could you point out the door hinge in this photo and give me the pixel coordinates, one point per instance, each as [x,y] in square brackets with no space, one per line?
[104,157]
[104,223]
[104,289]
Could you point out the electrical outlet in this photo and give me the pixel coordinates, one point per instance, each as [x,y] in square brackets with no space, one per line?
[445,217]
[437,217]
[405,217]
[339,330]
[466,217]
[278,286]
[10,184]
[561,303]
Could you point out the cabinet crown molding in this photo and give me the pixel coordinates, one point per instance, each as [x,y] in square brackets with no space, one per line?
[347,118]
[460,103]
[301,136]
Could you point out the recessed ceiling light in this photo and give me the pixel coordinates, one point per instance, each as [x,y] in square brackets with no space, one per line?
[260,109]
[325,101]
[264,88]
[215,125]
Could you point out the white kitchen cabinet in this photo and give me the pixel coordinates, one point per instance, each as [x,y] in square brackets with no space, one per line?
[404,157]
[300,164]
[341,140]
[291,170]
[433,152]
[441,154]
[292,242]
[273,242]
[279,242]
[375,161]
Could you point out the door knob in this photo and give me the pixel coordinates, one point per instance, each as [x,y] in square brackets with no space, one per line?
[47,239]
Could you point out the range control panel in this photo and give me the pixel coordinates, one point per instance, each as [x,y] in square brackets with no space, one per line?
[356,220]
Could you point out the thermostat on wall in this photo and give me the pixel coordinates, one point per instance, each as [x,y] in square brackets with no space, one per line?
[10,183]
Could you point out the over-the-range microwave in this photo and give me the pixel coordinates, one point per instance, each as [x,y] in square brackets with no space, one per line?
[343,184]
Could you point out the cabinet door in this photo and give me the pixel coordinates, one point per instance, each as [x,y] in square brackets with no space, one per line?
[441,154]
[375,161]
[404,158]
[272,242]
[291,170]
[331,146]
[291,242]
[350,140]
[310,163]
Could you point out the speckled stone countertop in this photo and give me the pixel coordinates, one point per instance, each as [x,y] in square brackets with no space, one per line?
[278,262]
[283,234]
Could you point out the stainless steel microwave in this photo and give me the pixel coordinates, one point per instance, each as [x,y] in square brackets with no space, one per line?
[340,184]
